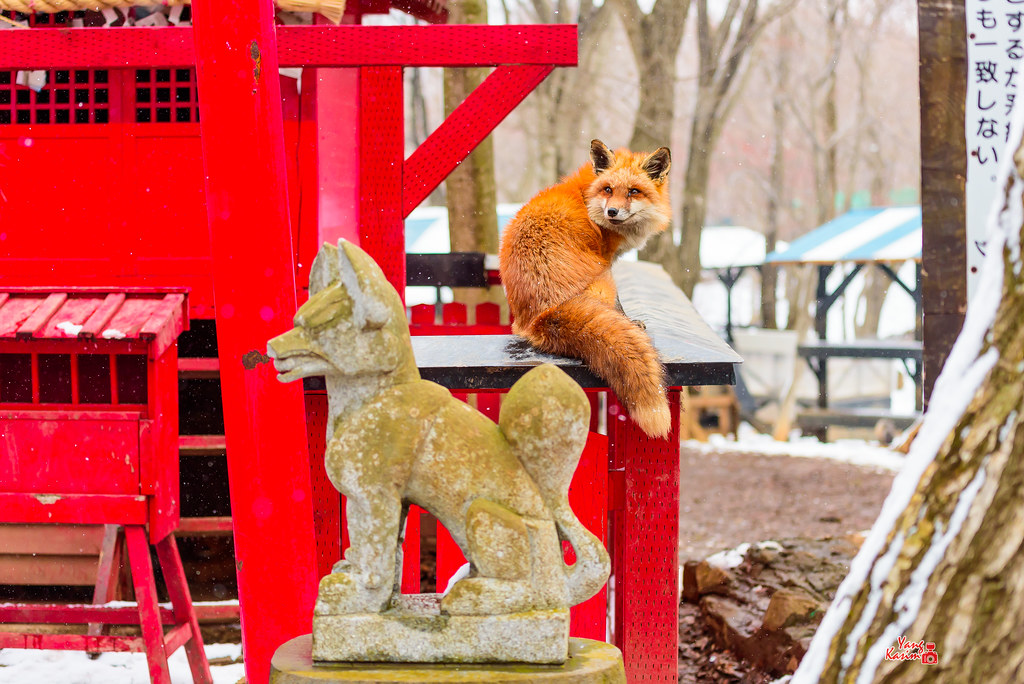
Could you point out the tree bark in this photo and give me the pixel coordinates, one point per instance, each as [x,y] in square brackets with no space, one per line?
[876,288]
[776,186]
[944,562]
[471,191]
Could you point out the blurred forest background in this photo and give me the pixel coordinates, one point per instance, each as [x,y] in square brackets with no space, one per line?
[780,114]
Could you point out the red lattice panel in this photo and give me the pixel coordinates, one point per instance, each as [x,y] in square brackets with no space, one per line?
[166,96]
[70,96]
[327,522]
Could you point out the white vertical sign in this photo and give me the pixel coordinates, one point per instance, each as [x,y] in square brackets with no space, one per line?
[995,46]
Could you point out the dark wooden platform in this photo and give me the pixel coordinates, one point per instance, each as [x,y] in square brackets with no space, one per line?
[692,353]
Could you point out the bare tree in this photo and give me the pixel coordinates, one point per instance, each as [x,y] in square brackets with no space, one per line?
[655,38]
[558,99]
[722,50]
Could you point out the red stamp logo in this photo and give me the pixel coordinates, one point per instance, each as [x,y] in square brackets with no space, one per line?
[922,651]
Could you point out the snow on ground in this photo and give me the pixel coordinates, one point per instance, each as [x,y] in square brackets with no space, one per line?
[853,451]
[21,666]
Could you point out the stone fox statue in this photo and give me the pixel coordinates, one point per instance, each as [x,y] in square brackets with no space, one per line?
[394,440]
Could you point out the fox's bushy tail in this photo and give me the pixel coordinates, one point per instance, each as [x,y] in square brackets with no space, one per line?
[614,348]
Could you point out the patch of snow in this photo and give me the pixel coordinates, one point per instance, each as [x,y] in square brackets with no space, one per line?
[730,558]
[461,573]
[852,451]
[113,334]
[68,328]
[23,666]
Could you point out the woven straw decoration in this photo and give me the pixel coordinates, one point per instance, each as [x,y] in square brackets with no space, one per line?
[331,9]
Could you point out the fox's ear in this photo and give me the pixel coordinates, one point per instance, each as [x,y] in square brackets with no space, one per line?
[657,165]
[601,156]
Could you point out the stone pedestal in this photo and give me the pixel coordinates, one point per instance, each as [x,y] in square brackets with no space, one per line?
[414,630]
[589,662]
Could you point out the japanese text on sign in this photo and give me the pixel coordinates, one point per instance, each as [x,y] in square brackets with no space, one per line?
[995,48]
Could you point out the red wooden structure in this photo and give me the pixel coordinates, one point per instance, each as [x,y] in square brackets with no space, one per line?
[88,411]
[234,208]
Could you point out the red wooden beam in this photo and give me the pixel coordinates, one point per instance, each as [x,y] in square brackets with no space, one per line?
[254,290]
[463,130]
[64,613]
[72,642]
[310,46]
[82,509]
[381,156]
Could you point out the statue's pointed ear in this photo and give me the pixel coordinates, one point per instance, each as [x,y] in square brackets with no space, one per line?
[657,164]
[365,283]
[324,269]
[600,156]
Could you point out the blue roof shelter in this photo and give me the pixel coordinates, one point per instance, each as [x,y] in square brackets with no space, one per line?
[878,236]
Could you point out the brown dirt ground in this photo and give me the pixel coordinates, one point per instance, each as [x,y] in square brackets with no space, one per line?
[730,498]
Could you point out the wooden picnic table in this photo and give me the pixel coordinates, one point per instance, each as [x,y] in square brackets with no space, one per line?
[817,354]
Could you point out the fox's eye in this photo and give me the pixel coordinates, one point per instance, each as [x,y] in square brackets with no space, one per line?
[633,192]
[607,190]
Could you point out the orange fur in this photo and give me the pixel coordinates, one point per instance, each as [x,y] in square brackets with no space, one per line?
[556,257]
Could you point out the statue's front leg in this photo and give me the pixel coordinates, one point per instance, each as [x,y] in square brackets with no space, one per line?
[364,581]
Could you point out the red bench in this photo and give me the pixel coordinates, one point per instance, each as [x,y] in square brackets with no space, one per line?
[88,435]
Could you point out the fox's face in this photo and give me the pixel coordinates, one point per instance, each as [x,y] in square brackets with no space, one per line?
[630,194]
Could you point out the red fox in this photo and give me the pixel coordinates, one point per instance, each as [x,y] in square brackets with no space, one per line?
[555,262]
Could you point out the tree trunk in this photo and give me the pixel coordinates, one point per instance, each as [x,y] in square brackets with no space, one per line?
[776,188]
[876,287]
[471,191]
[694,209]
[943,563]
[806,277]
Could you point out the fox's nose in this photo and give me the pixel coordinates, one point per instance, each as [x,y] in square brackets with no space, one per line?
[612,212]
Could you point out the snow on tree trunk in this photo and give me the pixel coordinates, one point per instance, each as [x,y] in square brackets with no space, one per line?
[944,562]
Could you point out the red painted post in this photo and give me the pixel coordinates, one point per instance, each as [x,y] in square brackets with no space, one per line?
[254,290]
[645,555]
[145,596]
[588,496]
[381,158]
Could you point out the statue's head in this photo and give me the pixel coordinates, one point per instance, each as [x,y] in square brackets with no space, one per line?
[353,323]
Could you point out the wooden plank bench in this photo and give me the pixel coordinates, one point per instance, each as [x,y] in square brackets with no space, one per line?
[818,419]
[818,353]
[692,353]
